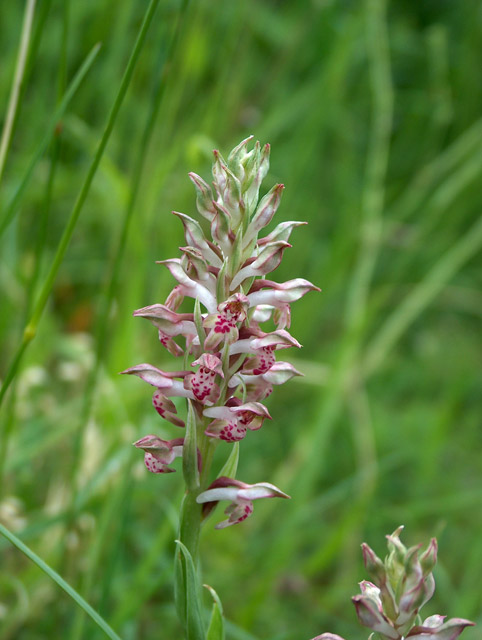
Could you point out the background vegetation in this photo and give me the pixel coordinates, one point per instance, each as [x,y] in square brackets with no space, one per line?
[373,111]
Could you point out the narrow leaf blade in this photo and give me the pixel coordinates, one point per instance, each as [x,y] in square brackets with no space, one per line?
[194,621]
[216,624]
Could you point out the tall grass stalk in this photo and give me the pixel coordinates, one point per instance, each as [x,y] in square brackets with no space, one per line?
[13,102]
[31,328]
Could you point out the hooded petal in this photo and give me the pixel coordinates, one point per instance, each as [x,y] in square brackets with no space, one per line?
[277,293]
[264,212]
[195,237]
[204,197]
[279,373]
[190,287]
[230,423]
[280,232]
[267,260]
[164,380]
[241,496]
[279,339]
[370,616]
[433,630]
[168,321]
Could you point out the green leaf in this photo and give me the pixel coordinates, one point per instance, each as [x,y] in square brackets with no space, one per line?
[198,321]
[221,283]
[179,587]
[99,621]
[231,465]
[193,619]
[189,456]
[216,624]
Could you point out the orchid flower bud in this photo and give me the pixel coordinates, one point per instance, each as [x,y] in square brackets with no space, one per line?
[204,199]
[372,617]
[195,237]
[268,260]
[264,213]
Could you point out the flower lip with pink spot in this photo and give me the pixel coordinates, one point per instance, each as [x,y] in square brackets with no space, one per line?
[203,383]
[223,324]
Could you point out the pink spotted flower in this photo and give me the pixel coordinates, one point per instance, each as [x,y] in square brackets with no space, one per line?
[239,494]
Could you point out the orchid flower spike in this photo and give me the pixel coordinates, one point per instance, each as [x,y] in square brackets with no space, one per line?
[402,584]
[241,496]
[229,355]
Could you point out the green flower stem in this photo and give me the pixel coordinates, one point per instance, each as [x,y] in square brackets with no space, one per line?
[191,511]
[190,522]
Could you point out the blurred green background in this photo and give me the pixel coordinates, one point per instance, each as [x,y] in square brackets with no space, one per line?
[374,113]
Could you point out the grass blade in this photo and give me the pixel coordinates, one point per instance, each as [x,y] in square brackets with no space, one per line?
[99,621]
[11,208]
[31,328]
[17,83]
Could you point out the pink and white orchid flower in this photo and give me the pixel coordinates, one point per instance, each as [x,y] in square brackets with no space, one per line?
[231,421]
[158,454]
[260,386]
[169,324]
[165,380]
[241,496]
